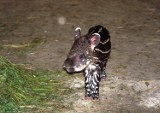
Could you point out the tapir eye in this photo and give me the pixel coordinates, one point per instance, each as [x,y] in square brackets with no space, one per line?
[82,56]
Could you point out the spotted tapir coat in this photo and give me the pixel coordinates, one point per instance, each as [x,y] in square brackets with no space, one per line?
[89,54]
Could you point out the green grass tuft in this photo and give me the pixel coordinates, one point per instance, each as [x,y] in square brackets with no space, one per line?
[23,90]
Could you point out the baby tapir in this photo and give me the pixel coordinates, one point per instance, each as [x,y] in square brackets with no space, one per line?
[89,54]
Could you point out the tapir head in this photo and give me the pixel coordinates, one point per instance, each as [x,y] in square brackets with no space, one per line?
[80,54]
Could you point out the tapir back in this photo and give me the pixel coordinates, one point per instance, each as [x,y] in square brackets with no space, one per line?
[102,50]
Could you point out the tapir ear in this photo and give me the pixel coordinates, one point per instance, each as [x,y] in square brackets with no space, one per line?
[77,33]
[94,40]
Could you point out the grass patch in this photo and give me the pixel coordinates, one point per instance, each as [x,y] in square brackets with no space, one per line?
[33,43]
[1,47]
[23,90]
[23,48]
[3,26]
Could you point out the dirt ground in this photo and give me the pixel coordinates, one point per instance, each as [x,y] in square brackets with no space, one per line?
[39,34]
